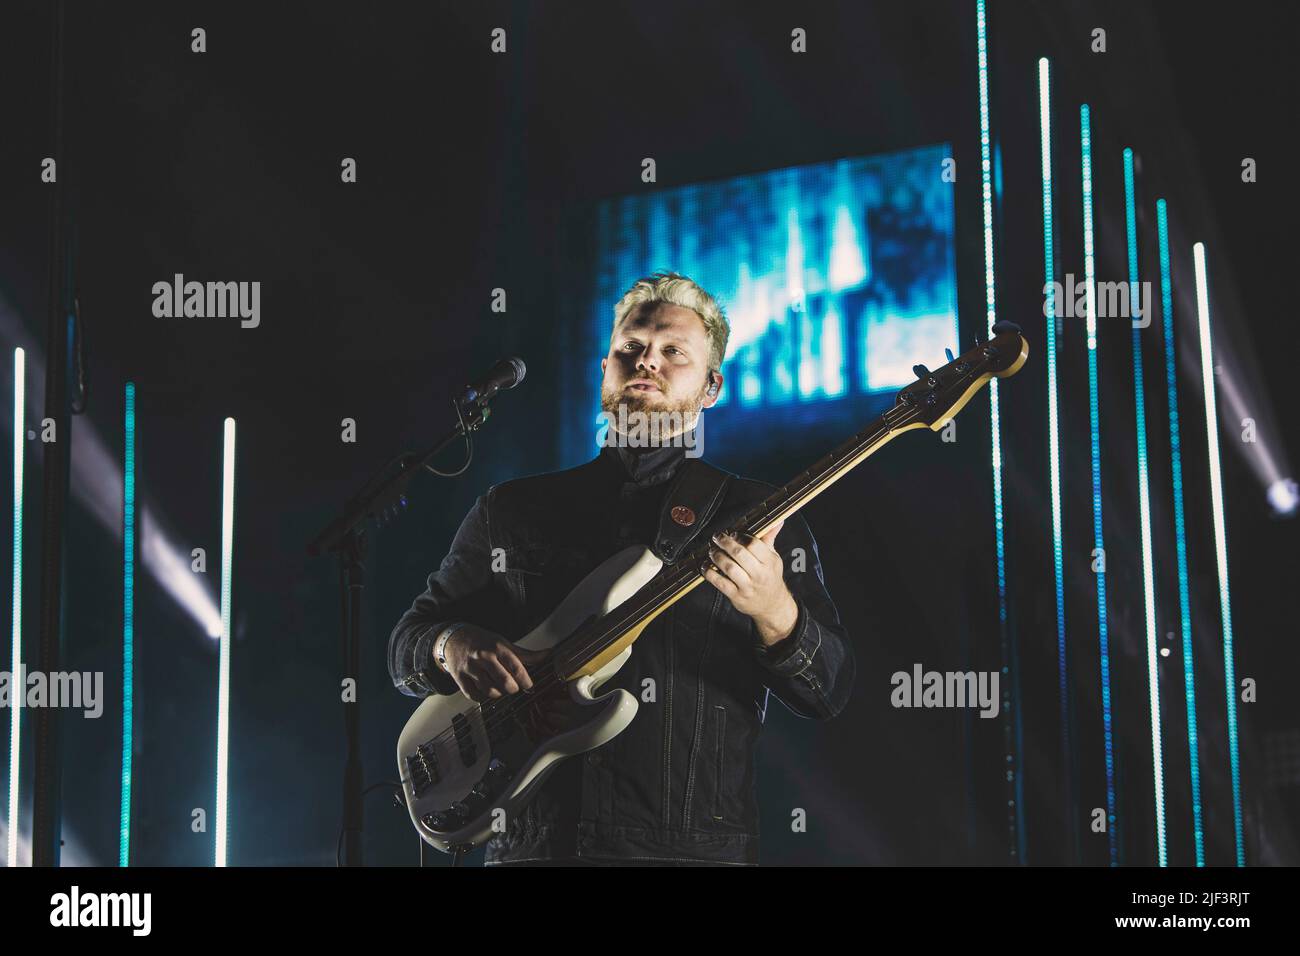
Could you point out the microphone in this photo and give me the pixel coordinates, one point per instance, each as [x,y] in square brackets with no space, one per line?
[507,373]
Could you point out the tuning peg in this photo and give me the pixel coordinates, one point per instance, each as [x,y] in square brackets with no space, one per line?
[1005,325]
[978,343]
[948,353]
[920,371]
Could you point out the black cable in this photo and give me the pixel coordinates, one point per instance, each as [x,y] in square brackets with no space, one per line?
[469,446]
[469,457]
[82,386]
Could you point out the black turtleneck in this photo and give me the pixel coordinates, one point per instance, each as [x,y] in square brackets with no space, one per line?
[647,466]
[653,464]
[638,478]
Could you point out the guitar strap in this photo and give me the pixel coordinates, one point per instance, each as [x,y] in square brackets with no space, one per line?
[691,502]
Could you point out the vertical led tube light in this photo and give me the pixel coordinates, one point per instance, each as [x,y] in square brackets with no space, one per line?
[223,681]
[1144,506]
[12,821]
[1180,535]
[1220,538]
[986,176]
[128,626]
[1094,420]
[1053,425]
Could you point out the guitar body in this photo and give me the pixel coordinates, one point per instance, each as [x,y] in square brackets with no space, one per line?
[460,762]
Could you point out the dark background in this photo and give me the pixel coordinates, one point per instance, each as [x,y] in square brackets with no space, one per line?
[376,306]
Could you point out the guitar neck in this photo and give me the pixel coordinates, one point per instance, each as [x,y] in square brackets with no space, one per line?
[927,403]
[585,653]
[824,472]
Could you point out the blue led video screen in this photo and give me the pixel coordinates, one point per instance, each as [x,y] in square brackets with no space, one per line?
[836,278]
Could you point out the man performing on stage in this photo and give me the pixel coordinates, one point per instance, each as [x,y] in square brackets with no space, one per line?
[677,786]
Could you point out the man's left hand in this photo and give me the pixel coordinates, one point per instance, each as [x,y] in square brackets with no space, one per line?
[749,573]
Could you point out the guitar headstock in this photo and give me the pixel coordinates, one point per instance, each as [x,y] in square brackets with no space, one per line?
[935,397]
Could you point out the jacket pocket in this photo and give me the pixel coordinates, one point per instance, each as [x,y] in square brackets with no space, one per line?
[720,749]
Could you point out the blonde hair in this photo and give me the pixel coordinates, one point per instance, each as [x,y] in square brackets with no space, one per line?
[678,290]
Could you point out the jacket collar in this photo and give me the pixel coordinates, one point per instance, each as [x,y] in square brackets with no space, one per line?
[646,466]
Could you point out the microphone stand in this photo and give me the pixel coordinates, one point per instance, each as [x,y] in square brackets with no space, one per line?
[345,536]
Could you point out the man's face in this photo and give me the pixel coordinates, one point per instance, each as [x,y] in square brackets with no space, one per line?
[658,363]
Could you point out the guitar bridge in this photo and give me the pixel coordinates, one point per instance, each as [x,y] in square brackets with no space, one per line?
[422,768]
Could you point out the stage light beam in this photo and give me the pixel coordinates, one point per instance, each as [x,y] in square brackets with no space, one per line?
[1283,497]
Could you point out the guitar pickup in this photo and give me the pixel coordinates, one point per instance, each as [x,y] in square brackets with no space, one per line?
[465,740]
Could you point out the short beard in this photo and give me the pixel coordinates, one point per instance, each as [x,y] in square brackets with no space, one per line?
[654,424]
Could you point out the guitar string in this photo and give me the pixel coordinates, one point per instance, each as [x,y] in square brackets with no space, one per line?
[500,715]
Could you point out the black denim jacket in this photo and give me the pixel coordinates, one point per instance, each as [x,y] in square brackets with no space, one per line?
[677,786]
